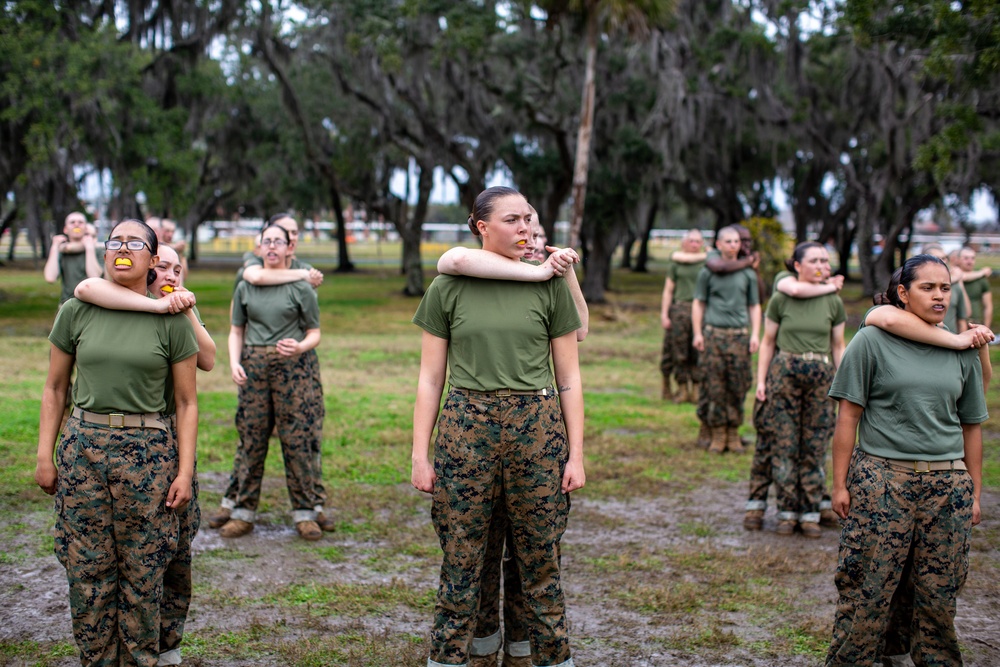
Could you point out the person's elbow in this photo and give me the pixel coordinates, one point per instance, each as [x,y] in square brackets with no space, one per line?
[206,359]
[253,275]
[581,333]
[84,290]
[452,262]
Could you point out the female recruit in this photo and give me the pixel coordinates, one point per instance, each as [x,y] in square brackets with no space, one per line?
[169,297]
[501,429]
[120,476]
[910,489]
[274,327]
[799,353]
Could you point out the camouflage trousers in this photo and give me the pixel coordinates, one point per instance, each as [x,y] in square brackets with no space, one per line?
[279,393]
[493,450]
[114,535]
[726,376]
[679,358]
[311,361]
[488,638]
[897,516]
[794,426]
[177,578]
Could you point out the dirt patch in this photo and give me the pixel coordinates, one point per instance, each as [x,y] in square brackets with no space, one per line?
[671,580]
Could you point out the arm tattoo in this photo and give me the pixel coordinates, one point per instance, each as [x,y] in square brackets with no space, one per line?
[563,389]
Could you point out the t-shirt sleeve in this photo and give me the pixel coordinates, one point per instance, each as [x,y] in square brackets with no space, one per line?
[853,378]
[753,293]
[701,285]
[773,312]
[672,271]
[183,342]
[239,317]
[563,316]
[972,403]
[309,305]
[62,329]
[430,315]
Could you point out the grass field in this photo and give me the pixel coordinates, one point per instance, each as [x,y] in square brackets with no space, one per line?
[658,570]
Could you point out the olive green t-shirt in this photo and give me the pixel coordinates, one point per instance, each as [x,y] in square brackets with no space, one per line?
[274,312]
[498,331]
[685,276]
[915,397]
[804,325]
[727,296]
[123,358]
[168,387]
[976,289]
[73,271]
[956,308]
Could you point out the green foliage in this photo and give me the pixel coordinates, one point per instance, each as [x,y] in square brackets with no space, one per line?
[773,244]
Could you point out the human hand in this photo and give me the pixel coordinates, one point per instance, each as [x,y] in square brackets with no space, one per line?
[288,347]
[841,502]
[239,375]
[46,476]
[315,277]
[755,260]
[89,243]
[58,241]
[180,300]
[422,475]
[698,342]
[665,321]
[977,513]
[574,477]
[179,494]
[754,344]
[837,281]
[761,393]
[987,272]
[975,337]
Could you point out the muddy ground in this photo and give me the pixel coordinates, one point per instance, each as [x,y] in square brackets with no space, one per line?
[646,584]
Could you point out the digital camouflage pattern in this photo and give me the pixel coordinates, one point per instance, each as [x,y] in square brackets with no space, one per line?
[725,373]
[488,620]
[760,466]
[279,393]
[895,515]
[798,419]
[177,578]
[679,358]
[492,449]
[311,361]
[114,535]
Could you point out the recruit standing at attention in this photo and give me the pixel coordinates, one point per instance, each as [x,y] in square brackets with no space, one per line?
[502,432]
[120,476]
[909,490]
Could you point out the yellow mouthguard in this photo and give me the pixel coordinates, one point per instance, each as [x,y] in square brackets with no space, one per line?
[123,261]
[167,288]
[77,230]
[522,243]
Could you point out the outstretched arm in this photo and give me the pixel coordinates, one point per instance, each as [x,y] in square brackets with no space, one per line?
[478,263]
[258,275]
[111,295]
[798,289]
[907,325]
[682,257]
[717,264]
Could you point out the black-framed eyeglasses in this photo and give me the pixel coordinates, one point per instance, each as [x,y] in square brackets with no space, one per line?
[277,243]
[115,244]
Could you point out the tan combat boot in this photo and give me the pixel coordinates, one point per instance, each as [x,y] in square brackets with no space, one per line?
[219,518]
[718,443]
[693,392]
[753,520]
[704,436]
[235,528]
[682,395]
[733,442]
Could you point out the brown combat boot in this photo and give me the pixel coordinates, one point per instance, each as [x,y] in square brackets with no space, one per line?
[219,518]
[718,443]
[810,529]
[786,527]
[308,530]
[704,436]
[516,661]
[235,528]
[693,392]
[753,520]
[733,442]
[682,395]
[483,660]
[326,523]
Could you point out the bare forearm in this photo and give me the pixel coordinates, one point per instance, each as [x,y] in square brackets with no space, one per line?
[235,345]
[582,310]
[51,270]
[425,414]
[187,437]
[94,268]
[764,357]
[477,263]
[843,442]
[910,326]
[258,275]
[50,417]
[111,295]
[802,290]
[973,436]
[310,341]
[720,265]
[206,345]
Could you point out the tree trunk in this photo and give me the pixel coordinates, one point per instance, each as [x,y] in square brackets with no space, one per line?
[344,263]
[642,260]
[586,127]
[410,232]
[597,270]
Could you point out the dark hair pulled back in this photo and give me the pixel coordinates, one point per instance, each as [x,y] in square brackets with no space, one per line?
[799,253]
[485,202]
[274,219]
[904,276]
[271,225]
